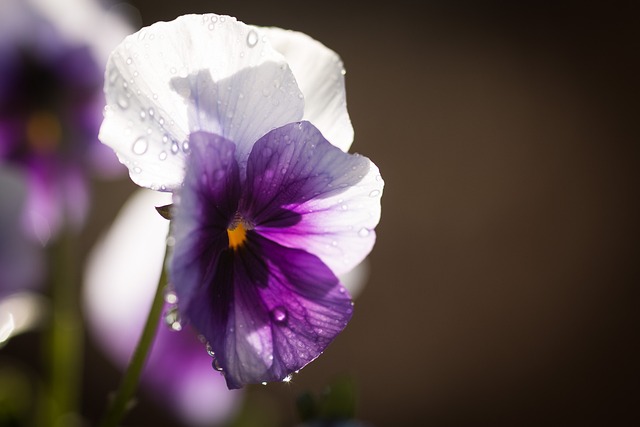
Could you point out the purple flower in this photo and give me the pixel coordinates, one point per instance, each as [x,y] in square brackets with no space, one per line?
[119,282]
[249,128]
[51,75]
[20,260]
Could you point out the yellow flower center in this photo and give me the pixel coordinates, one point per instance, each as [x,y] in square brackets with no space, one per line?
[237,235]
[43,132]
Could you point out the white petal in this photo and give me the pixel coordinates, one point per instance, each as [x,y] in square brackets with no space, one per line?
[320,75]
[338,229]
[122,273]
[199,72]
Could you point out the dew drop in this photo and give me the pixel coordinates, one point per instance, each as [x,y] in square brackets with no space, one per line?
[113,75]
[122,102]
[374,193]
[137,169]
[165,139]
[170,297]
[151,112]
[344,207]
[279,314]
[129,61]
[163,155]
[364,232]
[252,38]
[140,146]
[378,177]
[216,365]
[143,115]
[172,319]
[185,146]
[175,148]
[210,350]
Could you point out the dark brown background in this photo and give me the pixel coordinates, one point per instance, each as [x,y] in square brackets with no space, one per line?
[504,282]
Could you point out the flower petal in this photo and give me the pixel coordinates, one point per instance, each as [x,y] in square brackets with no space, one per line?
[269,311]
[320,75]
[309,195]
[197,73]
[206,204]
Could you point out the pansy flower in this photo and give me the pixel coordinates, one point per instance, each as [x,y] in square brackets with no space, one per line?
[52,55]
[249,128]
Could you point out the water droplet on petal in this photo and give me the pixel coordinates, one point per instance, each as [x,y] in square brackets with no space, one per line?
[140,145]
[113,75]
[279,314]
[170,297]
[143,115]
[129,61]
[185,146]
[163,155]
[137,169]
[122,102]
[374,193]
[252,38]
[172,319]
[210,350]
[175,148]
[364,232]
[216,365]
[263,383]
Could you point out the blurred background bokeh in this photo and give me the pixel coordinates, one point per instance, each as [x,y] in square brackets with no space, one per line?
[503,288]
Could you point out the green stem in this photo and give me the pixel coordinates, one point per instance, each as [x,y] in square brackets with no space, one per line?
[119,404]
[66,339]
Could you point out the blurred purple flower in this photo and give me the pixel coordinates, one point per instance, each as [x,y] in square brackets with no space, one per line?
[268,211]
[52,55]
[120,279]
[21,263]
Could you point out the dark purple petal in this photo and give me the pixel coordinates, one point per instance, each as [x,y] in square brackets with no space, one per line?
[291,165]
[269,311]
[204,207]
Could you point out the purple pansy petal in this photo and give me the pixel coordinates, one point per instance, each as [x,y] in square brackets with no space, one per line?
[197,73]
[119,282]
[207,203]
[269,311]
[334,197]
[320,75]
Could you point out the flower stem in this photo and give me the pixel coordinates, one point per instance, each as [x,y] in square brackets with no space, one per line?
[66,339]
[120,402]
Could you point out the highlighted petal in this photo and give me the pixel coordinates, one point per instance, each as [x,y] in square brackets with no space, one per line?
[269,311]
[320,75]
[197,73]
[203,210]
[309,195]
